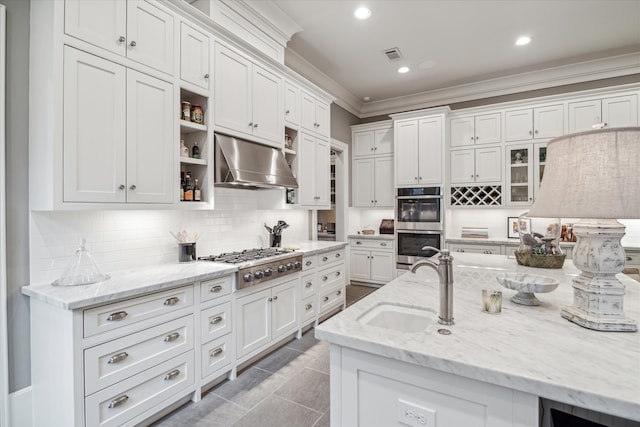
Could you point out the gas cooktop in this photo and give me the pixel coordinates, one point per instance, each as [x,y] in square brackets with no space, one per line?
[260,264]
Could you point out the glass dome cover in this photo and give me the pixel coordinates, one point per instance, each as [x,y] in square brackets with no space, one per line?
[81,270]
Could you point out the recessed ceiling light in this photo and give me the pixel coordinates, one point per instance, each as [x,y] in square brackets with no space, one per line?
[403,70]
[523,40]
[362,13]
[366,99]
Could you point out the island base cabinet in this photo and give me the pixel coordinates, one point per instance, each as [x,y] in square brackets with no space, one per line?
[369,390]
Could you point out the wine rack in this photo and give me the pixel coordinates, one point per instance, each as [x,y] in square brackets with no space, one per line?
[487,195]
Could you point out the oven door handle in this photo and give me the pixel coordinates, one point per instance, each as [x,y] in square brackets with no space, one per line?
[417,197]
[418,232]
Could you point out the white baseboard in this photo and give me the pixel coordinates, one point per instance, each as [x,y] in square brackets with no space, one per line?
[20,408]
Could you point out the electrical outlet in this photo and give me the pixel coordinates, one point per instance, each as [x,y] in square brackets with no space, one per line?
[415,416]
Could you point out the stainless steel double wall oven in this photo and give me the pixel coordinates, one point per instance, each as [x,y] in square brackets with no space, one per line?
[419,222]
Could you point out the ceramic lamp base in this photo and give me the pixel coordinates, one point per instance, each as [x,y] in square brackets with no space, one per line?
[597,293]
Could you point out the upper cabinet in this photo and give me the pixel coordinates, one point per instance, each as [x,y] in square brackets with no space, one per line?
[314,115]
[291,104]
[369,142]
[195,46]
[133,28]
[419,145]
[314,157]
[480,129]
[372,167]
[533,123]
[248,98]
[606,112]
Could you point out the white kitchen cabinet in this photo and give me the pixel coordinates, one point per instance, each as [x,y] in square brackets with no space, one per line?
[473,130]
[291,104]
[194,56]
[265,316]
[370,390]
[606,112]
[418,151]
[314,115]
[372,181]
[372,139]
[371,261]
[533,123]
[314,157]
[135,29]
[249,98]
[525,169]
[118,127]
[476,166]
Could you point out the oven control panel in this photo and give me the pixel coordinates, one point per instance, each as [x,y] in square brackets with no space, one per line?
[250,276]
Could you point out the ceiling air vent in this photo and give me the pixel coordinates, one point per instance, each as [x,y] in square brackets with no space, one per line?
[393,54]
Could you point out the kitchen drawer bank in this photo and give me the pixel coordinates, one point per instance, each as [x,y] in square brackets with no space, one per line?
[131,348]
[491,364]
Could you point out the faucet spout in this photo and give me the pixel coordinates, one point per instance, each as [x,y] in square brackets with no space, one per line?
[444,268]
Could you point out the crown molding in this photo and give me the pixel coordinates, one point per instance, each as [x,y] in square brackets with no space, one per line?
[615,66]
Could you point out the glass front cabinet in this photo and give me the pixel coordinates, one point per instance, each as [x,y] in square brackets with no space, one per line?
[525,169]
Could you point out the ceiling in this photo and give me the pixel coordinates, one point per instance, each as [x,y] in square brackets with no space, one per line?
[457,43]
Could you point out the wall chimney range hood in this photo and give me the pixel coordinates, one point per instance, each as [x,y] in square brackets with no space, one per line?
[245,164]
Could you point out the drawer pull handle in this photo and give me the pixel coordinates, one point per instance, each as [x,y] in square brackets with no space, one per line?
[118,357]
[216,288]
[358,242]
[118,401]
[338,274]
[217,352]
[383,244]
[339,293]
[628,258]
[216,319]
[172,337]
[338,255]
[171,375]
[308,285]
[119,315]
[325,278]
[171,301]
[325,299]
[308,263]
[324,258]
[308,307]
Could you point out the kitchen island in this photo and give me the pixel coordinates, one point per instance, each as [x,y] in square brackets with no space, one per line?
[509,359]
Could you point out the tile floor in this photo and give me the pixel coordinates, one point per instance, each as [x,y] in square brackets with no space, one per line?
[289,387]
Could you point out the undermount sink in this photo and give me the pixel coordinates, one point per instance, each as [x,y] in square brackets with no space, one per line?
[398,317]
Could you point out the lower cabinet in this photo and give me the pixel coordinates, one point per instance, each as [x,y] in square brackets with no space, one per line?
[266,315]
[370,390]
[371,261]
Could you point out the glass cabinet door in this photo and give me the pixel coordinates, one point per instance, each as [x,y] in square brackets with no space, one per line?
[540,153]
[519,174]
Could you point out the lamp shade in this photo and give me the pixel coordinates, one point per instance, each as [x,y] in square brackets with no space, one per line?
[594,174]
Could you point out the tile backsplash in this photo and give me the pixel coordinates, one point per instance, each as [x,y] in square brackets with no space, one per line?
[121,240]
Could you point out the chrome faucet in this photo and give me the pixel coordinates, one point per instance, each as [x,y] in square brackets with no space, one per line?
[445,272]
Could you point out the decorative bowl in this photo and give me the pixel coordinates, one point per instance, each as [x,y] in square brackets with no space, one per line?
[527,284]
[539,261]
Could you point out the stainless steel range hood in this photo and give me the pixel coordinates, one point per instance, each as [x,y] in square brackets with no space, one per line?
[244,164]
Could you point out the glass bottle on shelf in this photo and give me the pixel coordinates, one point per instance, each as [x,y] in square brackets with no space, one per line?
[182,184]
[197,194]
[188,189]
[195,151]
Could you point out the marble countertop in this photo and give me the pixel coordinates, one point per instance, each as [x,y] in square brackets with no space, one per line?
[515,242]
[531,349]
[131,283]
[372,236]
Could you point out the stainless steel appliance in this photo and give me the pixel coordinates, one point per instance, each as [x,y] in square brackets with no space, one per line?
[419,222]
[256,266]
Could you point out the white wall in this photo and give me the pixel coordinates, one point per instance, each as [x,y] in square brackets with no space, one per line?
[120,240]
[360,218]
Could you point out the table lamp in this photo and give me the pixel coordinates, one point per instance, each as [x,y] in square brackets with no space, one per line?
[595,176]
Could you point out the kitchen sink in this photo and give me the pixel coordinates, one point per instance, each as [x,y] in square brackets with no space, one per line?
[398,317]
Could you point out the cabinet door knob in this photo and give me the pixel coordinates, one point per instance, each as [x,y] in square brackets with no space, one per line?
[325,299]
[270,299]
[324,258]
[339,293]
[133,43]
[255,125]
[529,132]
[250,124]
[308,307]
[121,39]
[122,187]
[133,187]
[287,112]
[308,285]
[477,176]
[308,263]
[206,76]
[275,297]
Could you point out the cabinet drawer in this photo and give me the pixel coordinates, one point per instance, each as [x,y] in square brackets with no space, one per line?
[309,285]
[475,249]
[330,257]
[116,360]
[215,288]
[215,321]
[371,244]
[331,298]
[216,355]
[632,259]
[309,262]
[112,316]
[331,277]
[127,399]
[309,310]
